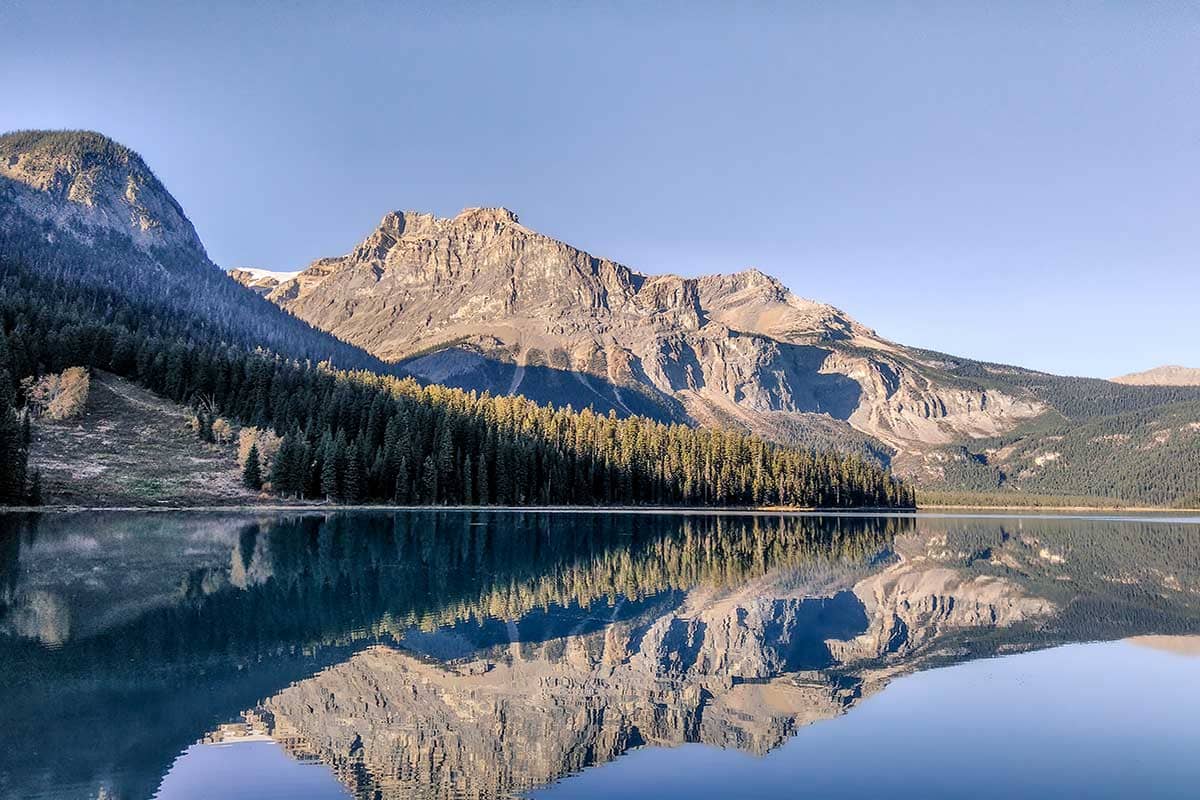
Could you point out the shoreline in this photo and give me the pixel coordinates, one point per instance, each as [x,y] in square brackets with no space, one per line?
[931,510]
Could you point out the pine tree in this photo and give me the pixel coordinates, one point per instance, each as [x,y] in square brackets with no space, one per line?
[252,472]
[481,484]
[353,484]
[283,469]
[330,485]
[468,493]
[13,458]
[401,495]
[429,482]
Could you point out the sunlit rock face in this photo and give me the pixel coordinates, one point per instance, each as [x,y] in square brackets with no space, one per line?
[91,186]
[483,302]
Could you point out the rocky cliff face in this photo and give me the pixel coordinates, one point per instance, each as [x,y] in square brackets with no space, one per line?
[483,302]
[91,186]
[78,207]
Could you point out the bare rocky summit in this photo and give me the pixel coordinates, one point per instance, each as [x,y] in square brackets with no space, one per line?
[1170,375]
[91,186]
[483,302]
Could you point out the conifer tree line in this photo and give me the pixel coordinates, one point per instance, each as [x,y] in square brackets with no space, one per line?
[364,437]
[16,486]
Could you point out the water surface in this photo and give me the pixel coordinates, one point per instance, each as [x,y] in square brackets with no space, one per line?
[497,654]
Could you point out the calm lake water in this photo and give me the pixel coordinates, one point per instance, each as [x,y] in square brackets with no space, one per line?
[562,655]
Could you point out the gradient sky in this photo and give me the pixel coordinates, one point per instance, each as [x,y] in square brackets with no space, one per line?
[1014,182]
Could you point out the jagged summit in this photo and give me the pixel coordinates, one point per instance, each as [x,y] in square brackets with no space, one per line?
[497,215]
[94,185]
[481,301]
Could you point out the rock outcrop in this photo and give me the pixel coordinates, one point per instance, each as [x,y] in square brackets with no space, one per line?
[91,186]
[260,281]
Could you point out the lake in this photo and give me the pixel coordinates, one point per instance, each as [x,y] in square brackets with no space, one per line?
[469,654]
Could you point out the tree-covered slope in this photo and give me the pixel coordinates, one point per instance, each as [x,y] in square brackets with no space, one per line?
[1149,456]
[88,212]
[365,436]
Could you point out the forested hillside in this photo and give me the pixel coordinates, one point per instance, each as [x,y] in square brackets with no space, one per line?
[362,436]
[1074,398]
[164,265]
[1112,443]
[1149,456]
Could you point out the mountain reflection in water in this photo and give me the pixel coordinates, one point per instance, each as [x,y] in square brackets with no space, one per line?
[479,654]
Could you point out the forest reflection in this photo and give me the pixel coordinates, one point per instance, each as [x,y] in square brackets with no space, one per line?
[331,579]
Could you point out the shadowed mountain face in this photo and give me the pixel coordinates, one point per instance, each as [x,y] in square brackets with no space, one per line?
[484,654]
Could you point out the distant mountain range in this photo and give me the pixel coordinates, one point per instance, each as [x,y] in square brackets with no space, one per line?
[1170,375]
[480,301]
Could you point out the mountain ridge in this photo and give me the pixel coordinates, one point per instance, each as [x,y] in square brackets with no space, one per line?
[481,302]
[88,210]
[1166,375]
[477,299]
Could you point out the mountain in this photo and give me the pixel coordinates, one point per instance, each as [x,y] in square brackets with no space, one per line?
[1170,375]
[482,302]
[102,278]
[87,211]
[261,281]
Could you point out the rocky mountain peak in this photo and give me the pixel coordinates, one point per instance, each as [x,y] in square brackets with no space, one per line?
[92,185]
[487,216]
[480,301]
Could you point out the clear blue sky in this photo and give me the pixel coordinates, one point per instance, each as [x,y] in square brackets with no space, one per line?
[1010,181]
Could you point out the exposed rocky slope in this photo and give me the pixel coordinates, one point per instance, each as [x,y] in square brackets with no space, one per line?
[90,186]
[1170,375]
[481,301]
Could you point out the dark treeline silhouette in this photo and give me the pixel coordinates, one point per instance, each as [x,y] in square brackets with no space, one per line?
[14,436]
[362,436]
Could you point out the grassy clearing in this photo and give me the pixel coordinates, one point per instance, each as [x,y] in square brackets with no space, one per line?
[130,447]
